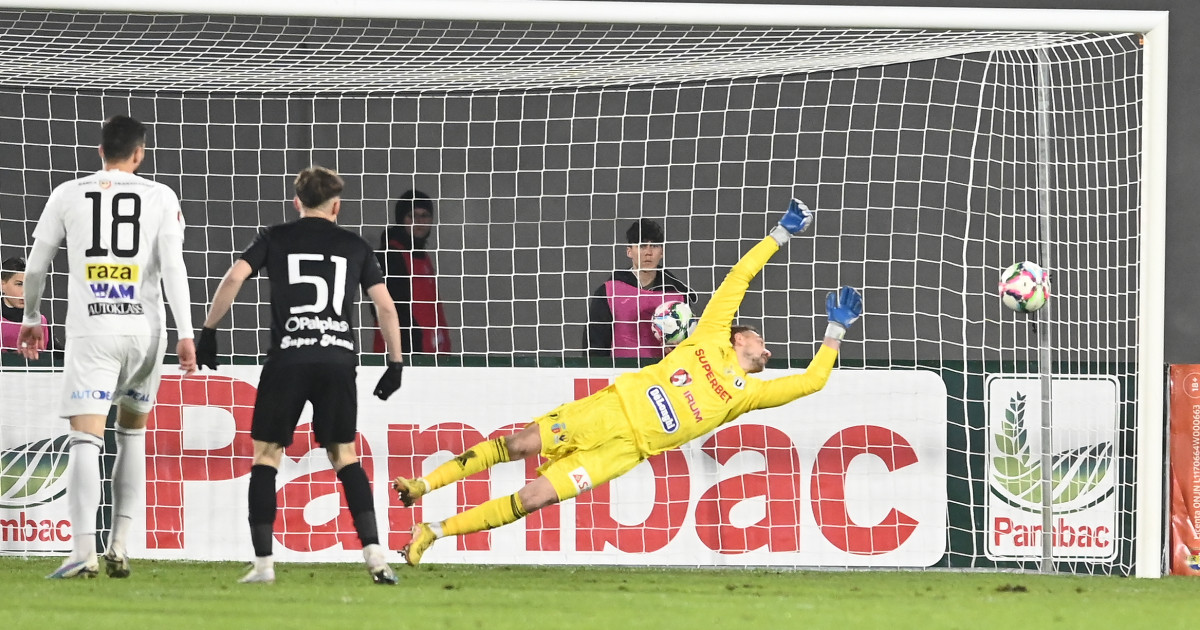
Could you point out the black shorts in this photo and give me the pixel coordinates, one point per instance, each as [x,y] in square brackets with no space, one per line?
[284,388]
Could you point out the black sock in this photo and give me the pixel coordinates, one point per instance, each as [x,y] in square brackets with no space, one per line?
[262,509]
[357,488]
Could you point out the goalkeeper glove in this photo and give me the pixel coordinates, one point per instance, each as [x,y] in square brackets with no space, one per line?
[206,348]
[844,307]
[796,220]
[390,381]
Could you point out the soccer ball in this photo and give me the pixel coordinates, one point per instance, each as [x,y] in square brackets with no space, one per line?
[671,322]
[1024,287]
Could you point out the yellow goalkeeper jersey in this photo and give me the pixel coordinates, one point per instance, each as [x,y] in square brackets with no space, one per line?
[700,385]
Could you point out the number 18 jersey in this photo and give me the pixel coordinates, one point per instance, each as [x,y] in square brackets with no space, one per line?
[113,223]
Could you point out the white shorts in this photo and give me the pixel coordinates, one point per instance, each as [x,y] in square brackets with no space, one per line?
[102,371]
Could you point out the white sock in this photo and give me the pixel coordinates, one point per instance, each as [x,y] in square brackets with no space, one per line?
[265,563]
[129,482]
[371,553]
[83,491]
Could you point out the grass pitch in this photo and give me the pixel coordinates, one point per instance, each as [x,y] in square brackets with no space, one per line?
[182,595]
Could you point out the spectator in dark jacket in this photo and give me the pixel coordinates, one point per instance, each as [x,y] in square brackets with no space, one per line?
[411,278]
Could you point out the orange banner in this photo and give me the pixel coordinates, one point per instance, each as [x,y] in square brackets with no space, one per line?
[1185,469]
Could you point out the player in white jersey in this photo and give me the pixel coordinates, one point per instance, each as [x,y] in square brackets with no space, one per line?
[124,237]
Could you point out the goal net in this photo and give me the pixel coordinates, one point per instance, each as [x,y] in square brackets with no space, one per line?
[954,430]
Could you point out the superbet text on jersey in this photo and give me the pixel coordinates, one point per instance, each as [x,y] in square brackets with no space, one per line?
[314,268]
[116,220]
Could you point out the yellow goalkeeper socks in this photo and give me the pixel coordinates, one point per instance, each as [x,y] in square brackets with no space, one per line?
[490,515]
[479,457]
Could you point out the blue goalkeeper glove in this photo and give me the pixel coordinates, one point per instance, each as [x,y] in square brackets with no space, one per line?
[797,218]
[844,307]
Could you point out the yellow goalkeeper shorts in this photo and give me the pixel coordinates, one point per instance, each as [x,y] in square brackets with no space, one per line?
[588,443]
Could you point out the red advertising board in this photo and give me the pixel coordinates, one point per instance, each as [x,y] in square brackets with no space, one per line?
[853,476]
[1185,469]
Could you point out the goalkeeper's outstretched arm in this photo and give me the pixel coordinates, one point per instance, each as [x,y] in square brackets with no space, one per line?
[727,299]
[843,307]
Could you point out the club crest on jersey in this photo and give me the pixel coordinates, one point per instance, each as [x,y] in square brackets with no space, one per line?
[110,271]
[681,378]
[662,407]
[105,184]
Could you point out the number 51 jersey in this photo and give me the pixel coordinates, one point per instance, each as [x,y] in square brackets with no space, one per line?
[113,222]
[315,269]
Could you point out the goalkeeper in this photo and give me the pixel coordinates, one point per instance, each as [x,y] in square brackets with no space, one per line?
[701,385]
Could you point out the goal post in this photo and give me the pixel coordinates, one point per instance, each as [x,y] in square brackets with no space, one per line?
[1151,543]
[542,129]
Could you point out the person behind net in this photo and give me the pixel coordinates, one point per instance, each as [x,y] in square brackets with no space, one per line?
[314,267]
[411,277]
[12,307]
[619,310]
[704,383]
[124,237]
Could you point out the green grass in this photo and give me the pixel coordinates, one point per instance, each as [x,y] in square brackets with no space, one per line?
[180,595]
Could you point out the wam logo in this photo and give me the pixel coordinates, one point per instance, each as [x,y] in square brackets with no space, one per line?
[1077,476]
[34,473]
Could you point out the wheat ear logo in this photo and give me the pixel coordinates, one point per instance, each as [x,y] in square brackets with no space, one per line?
[1076,476]
[33,473]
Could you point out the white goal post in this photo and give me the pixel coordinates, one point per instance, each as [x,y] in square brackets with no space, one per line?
[734,106]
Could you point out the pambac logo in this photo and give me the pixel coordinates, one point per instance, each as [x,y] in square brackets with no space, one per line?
[1081,475]
[1075,475]
[34,473]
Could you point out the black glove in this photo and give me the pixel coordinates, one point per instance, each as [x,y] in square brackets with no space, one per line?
[206,348]
[390,381]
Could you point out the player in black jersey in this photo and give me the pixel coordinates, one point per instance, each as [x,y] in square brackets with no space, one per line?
[314,268]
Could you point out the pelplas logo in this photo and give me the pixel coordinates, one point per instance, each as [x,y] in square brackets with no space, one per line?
[1082,469]
[33,474]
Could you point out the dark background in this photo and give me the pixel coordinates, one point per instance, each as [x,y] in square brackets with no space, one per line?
[536,189]
[1182,325]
